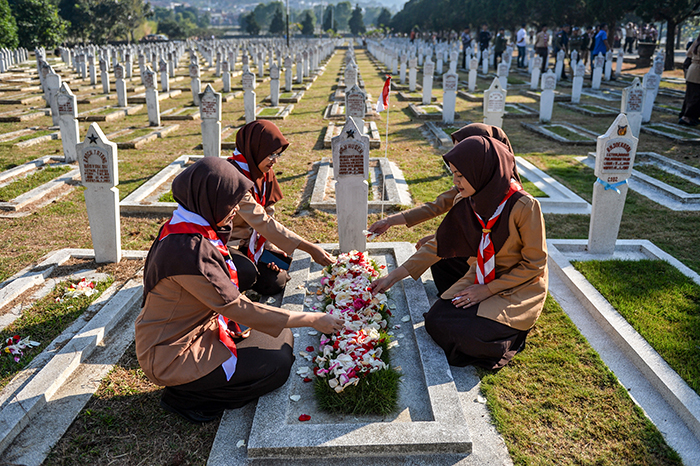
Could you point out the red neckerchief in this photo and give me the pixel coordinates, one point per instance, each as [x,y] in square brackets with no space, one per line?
[485,259]
[256,244]
[184,227]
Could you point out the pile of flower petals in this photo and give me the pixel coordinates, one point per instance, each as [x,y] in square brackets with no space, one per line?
[15,345]
[355,350]
[83,287]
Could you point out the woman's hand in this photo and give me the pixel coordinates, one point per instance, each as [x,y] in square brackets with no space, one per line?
[471,295]
[381,226]
[326,323]
[318,254]
[423,240]
[382,284]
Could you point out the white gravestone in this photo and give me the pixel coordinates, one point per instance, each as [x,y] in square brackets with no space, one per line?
[454,56]
[67,105]
[210,113]
[613,166]
[618,62]
[535,73]
[152,103]
[608,65]
[549,83]
[449,96]
[412,71]
[494,104]
[598,64]
[473,69]
[502,73]
[579,73]
[288,74]
[91,66]
[196,84]
[226,76]
[559,65]
[633,105]
[300,69]
[248,83]
[438,64]
[651,87]
[356,106]
[97,158]
[120,84]
[350,76]
[53,84]
[659,64]
[104,76]
[485,62]
[428,70]
[274,85]
[164,78]
[350,169]
[402,70]
[573,60]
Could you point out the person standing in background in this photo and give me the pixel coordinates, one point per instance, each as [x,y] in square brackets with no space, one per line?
[601,44]
[499,45]
[484,39]
[630,37]
[522,45]
[541,46]
[466,39]
[561,42]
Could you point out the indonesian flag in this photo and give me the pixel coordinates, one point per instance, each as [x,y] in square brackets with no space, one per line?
[383,101]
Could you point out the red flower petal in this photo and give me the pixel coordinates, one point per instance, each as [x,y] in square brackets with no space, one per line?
[307,379]
[309,349]
[304,417]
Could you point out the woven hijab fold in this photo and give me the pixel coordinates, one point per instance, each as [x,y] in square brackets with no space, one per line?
[256,141]
[481,129]
[487,164]
[210,188]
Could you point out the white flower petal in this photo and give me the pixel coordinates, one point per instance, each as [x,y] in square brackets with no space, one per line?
[295,397]
[405,318]
[480,399]
[241,443]
[312,332]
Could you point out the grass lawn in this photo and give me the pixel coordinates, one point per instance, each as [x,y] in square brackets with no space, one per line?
[268,112]
[564,132]
[34,180]
[668,178]
[674,131]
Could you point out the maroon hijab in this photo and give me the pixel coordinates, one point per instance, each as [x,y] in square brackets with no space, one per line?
[481,129]
[211,188]
[487,164]
[256,141]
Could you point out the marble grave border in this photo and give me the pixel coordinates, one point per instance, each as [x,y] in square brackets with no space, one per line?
[588,138]
[604,110]
[649,128]
[371,130]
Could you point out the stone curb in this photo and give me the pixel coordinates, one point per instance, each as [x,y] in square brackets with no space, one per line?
[684,401]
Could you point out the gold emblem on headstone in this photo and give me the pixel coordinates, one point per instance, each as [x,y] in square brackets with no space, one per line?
[622,130]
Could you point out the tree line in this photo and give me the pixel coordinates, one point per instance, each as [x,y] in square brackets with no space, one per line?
[438,15]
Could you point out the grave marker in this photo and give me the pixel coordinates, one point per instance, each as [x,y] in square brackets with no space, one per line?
[449,96]
[104,76]
[164,78]
[152,103]
[288,74]
[650,84]
[559,65]
[428,70]
[350,168]
[502,73]
[598,64]
[210,113]
[618,62]
[608,65]
[53,84]
[473,69]
[402,71]
[535,73]
[412,71]
[226,76]
[274,85]
[549,83]
[579,73]
[120,84]
[356,106]
[97,158]
[67,108]
[248,83]
[494,104]
[633,105]
[613,166]
[196,84]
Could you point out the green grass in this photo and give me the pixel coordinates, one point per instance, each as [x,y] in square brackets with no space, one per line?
[557,403]
[26,184]
[564,132]
[431,109]
[166,197]
[268,112]
[674,131]
[26,137]
[530,187]
[512,80]
[661,303]
[43,322]
[668,178]
[133,135]
[593,108]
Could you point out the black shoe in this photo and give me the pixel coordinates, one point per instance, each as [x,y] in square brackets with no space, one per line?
[195,417]
[683,122]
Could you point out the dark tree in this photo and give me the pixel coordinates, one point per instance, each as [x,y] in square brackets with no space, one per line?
[38,23]
[251,24]
[277,23]
[329,20]
[308,24]
[384,18]
[8,26]
[356,23]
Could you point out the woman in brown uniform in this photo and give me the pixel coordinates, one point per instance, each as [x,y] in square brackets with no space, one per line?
[447,271]
[484,317]
[188,336]
[258,146]
[690,112]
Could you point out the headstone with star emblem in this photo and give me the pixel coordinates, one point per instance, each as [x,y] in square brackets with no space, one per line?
[120,84]
[210,113]
[412,71]
[152,103]
[249,104]
[196,84]
[428,70]
[97,158]
[274,85]
[632,105]
[449,96]
[350,169]
[67,106]
[494,104]
[549,83]
[613,166]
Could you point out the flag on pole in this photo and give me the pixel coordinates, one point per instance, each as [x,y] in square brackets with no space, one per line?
[383,101]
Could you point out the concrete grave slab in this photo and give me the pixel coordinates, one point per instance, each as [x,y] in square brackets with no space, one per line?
[656,190]
[139,142]
[669,402]
[336,111]
[560,200]
[673,109]
[428,421]
[20,99]
[23,115]
[558,96]
[280,112]
[141,98]
[108,113]
[414,96]
[37,140]
[593,110]
[436,131]
[678,133]
[380,168]
[184,113]
[471,96]
[427,112]
[290,97]
[576,135]
[371,130]
[609,95]
[516,110]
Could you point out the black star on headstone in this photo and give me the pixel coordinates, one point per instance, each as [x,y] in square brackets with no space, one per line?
[93,139]
[350,133]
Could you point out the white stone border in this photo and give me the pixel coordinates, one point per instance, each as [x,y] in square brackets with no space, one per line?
[395,186]
[684,401]
[561,199]
[657,190]
[539,128]
[656,132]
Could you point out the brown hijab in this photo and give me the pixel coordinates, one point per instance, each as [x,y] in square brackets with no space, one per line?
[487,164]
[256,141]
[481,129]
[211,188]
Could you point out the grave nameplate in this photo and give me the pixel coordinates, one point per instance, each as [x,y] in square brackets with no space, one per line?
[248,81]
[210,104]
[194,71]
[149,79]
[449,82]
[355,105]
[429,68]
[274,72]
[119,72]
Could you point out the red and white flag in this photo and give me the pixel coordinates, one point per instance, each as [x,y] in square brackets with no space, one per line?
[383,101]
